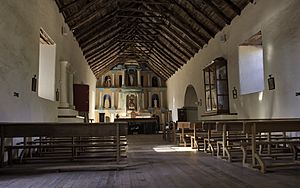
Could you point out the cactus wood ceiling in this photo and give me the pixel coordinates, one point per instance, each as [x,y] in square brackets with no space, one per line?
[163,34]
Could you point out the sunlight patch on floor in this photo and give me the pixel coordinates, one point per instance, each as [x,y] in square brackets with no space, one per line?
[170,148]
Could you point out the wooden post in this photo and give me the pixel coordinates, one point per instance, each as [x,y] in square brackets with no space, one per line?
[224,139]
[118,141]
[2,147]
[253,143]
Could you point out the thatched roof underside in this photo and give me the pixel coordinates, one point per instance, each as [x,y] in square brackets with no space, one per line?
[163,34]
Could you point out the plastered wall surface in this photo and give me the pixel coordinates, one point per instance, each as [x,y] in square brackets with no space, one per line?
[20,22]
[279,22]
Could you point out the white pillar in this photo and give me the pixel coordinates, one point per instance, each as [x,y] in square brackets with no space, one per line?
[113,79]
[149,100]
[102,81]
[113,100]
[161,100]
[123,78]
[71,96]
[100,100]
[149,80]
[143,100]
[159,82]
[139,77]
[64,84]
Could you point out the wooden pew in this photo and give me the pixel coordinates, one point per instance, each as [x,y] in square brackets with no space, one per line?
[71,132]
[269,126]
[233,138]
[213,135]
[185,132]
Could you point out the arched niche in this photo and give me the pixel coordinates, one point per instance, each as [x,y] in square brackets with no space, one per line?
[131,102]
[191,104]
[155,101]
[190,97]
[107,81]
[106,101]
[154,81]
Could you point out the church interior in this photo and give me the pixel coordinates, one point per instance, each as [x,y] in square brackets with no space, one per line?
[149,93]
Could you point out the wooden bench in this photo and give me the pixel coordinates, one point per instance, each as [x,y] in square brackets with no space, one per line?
[72,137]
[185,133]
[259,159]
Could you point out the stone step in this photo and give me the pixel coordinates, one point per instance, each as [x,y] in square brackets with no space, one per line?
[67,112]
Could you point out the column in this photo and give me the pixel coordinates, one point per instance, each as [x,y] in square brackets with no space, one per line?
[159,82]
[113,79]
[149,80]
[119,100]
[143,100]
[102,81]
[149,100]
[113,100]
[138,102]
[123,78]
[71,96]
[100,99]
[63,84]
[139,77]
[161,99]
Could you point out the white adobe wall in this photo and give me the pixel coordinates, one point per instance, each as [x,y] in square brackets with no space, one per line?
[20,22]
[279,22]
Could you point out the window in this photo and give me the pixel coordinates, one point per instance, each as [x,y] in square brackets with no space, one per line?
[216,87]
[47,56]
[251,68]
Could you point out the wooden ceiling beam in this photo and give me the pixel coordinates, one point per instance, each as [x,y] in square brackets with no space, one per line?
[234,7]
[177,46]
[195,20]
[98,44]
[65,7]
[217,11]
[167,54]
[157,60]
[205,15]
[159,65]
[100,70]
[94,27]
[82,10]
[183,41]
[100,52]
[180,42]
[182,26]
[100,36]
[94,62]
[178,58]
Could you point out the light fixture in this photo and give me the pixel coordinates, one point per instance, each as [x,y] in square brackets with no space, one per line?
[234,93]
[57,95]
[199,103]
[271,82]
[33,83]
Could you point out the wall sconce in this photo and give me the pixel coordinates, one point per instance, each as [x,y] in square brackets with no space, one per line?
[33,83]
[199,103]
[57,95]
[271,82]
[234,93]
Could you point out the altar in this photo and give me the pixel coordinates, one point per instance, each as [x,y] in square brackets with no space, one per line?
[141,125]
